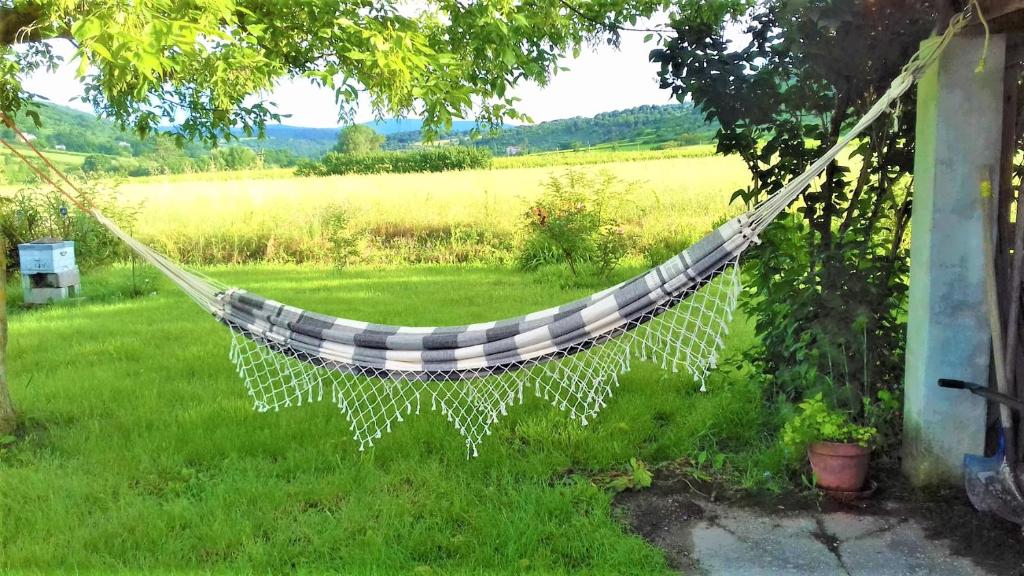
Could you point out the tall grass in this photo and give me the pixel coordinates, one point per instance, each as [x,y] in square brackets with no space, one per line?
[453,217]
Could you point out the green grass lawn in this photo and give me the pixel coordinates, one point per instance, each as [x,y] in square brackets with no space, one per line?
[141,452]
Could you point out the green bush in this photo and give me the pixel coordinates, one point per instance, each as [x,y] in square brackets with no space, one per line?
[94,163]
[31,214]
[574,222]
[438,159]
[234,158]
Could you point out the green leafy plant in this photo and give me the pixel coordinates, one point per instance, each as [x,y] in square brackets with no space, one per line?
[636,477]
[817,422]
[574,222]
[708,465]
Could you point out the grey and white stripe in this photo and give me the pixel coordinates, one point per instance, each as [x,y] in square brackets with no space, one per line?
[458,352]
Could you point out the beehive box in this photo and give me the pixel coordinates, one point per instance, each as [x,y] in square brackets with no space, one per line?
[48,271]
[47,256]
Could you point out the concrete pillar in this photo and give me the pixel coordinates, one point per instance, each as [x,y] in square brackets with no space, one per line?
[959,114]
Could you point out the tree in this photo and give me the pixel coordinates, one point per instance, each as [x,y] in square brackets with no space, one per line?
[203,65]
[100,163]
[829,282]
[358,139]
[235,158]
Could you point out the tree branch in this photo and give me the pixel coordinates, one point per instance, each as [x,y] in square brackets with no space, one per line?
[16,25]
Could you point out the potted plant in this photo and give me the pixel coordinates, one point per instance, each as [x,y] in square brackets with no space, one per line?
[838,450]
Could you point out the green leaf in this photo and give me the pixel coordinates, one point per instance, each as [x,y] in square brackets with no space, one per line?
[87,28]
[83,64]
[101,50]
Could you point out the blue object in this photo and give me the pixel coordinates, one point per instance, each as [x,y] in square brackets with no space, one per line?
[47,256]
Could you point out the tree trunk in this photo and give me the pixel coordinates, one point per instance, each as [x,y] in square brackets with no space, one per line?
[8,419]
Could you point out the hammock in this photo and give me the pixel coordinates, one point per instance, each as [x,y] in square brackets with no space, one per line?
[677,314]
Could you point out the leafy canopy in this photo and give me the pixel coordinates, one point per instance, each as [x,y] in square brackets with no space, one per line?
[207,65]
[358,139]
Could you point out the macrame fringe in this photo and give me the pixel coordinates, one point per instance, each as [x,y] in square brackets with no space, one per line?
[686,337]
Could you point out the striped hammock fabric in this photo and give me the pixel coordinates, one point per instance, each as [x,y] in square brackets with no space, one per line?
[460,352]
[676,314]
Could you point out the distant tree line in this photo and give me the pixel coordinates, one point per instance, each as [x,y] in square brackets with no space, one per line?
[358,151]
[651,126]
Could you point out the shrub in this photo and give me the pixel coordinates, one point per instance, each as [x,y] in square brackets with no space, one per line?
[31,214]
[574,222]
[438,159]
[99,163]
[234,158]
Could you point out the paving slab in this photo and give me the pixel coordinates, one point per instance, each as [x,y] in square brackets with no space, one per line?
[741,541]
[889,537]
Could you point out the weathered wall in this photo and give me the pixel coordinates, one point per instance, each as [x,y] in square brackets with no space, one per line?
[959,113]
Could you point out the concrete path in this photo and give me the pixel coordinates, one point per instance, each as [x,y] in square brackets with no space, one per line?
[893,536]
[739,541]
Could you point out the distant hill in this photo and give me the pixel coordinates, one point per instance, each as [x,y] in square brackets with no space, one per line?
[83,132]
[73,130]
[644,126]
[93,144]
[299,140]
[314,142]
[390,126]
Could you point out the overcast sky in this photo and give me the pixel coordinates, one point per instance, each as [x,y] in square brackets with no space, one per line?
[601,79]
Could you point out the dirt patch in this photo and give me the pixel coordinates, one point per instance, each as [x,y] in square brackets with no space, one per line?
[666,514]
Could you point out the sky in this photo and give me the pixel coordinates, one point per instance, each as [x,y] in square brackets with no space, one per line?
[603,78]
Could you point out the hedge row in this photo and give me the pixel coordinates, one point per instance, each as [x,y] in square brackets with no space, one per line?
[439,159]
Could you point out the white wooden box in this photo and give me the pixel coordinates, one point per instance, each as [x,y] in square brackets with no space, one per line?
[44,256]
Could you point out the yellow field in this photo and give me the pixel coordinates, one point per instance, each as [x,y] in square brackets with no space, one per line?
[686,192]
[448,217]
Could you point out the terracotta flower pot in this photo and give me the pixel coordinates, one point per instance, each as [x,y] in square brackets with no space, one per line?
[838,466]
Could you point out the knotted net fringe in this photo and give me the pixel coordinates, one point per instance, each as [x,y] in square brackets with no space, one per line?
[685,334]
